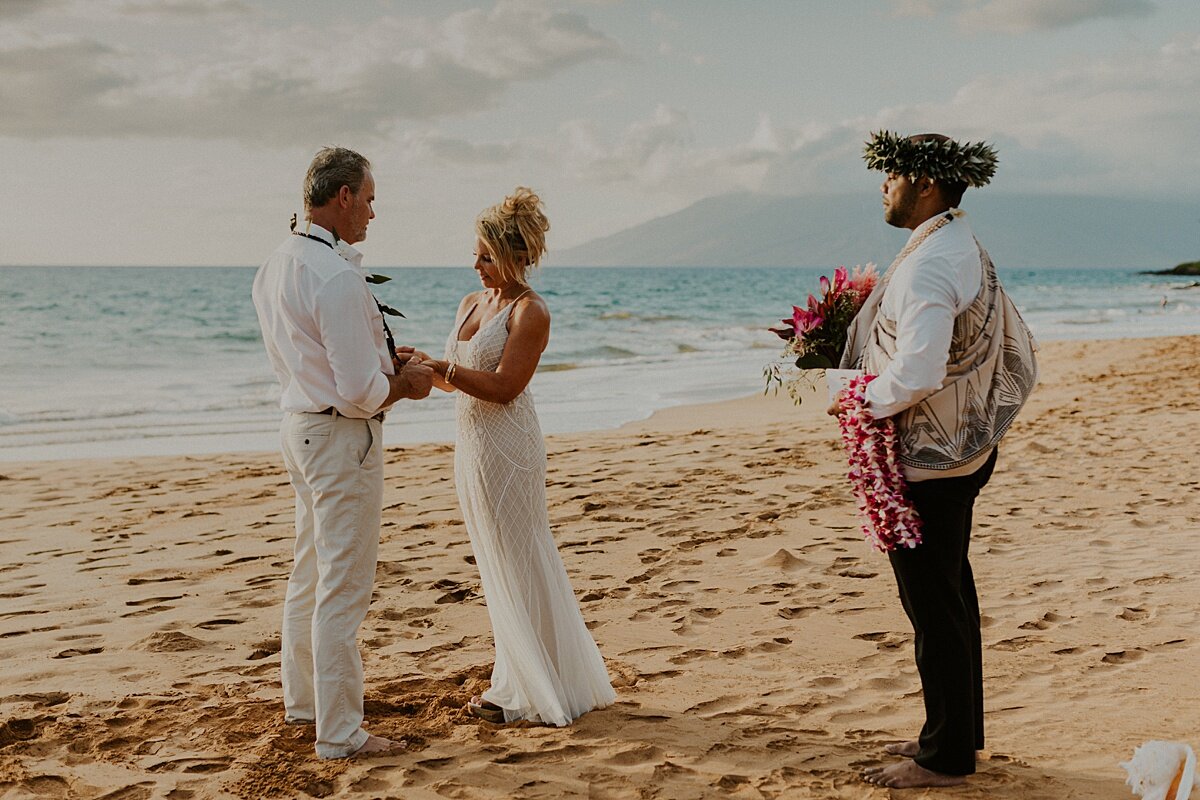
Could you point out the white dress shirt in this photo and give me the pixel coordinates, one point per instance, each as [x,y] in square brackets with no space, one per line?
[321,326]
[932,286]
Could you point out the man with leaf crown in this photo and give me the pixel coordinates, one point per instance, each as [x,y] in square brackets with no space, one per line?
[954,363]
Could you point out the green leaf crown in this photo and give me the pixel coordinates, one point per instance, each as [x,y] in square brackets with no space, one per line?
[973,163]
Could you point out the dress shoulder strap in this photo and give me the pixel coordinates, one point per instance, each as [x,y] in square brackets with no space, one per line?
[510,306]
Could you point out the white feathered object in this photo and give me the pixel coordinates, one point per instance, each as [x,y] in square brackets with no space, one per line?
[1162,771]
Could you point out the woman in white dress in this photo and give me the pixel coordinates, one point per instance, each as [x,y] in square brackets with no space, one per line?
[547,667]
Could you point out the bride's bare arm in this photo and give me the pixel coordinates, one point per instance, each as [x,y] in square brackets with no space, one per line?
[463,305]
[528,334]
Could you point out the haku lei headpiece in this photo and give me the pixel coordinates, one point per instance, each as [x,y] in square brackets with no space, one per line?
[973,163]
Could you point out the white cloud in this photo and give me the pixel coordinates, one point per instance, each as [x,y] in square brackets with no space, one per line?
[642,153]
[420,147]
[1021,16]
[922,9]
[271,85]
[101,9]
[1114,124]
[660,156]
[185,9]
[521,41]
[10,9]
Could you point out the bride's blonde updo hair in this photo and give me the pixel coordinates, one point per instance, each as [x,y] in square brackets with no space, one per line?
[515,233]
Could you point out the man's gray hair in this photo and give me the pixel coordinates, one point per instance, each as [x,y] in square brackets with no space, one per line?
[331,169]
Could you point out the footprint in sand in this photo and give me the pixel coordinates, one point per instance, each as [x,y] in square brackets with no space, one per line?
[601,594]
[671,586]
[1042,623]
[164,579]
[1070,651]
[214,624]
[1015,643]
[79,651]
[193,766]
[885,640]
[688,656]
[695,617]
[145,612]
[265,649]
[455,595]
[1123,656]
[20,730]
[632,756]
[148,600]
[857,573]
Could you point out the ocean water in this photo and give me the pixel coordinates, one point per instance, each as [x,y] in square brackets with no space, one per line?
[126,361]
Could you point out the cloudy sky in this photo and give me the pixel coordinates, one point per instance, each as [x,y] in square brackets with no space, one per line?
[178,131]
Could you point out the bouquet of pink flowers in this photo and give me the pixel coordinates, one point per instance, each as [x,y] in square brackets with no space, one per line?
[816,333]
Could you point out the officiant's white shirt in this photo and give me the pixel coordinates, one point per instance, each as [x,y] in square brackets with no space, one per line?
[322,328]
[933,285]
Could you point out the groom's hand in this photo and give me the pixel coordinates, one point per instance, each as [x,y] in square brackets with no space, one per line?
[412,381]
[419,378]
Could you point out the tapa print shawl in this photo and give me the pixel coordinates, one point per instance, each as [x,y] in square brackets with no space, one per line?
[991,371]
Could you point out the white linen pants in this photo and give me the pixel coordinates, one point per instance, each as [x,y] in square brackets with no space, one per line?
[336,467]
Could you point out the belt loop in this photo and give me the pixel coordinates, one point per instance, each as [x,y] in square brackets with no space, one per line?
[333,412]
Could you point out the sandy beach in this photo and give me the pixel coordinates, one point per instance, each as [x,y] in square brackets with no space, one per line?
[756,641]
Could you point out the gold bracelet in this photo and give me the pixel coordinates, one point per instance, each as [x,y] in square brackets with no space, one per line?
[449,376]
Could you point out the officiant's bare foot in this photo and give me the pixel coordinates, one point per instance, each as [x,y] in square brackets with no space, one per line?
[909,775]
[377,745]
[906,749]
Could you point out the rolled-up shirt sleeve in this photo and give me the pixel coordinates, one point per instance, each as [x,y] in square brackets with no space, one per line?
[343,307]
[925,312]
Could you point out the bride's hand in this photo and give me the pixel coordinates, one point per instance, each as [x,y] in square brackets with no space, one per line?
[404,353]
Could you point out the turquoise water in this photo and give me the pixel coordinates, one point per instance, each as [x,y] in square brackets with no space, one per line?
[129,361]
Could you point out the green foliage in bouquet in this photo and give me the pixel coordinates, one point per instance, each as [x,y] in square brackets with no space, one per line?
[816,333]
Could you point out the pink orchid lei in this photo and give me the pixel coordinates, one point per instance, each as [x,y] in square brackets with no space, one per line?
[888,517]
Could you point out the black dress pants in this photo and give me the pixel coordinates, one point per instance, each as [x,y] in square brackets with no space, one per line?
[937,590]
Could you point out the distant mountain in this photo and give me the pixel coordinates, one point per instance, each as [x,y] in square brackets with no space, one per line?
[1019,231]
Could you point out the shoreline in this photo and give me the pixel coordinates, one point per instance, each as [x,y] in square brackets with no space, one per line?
[431,431]
[637,341]
[755,640]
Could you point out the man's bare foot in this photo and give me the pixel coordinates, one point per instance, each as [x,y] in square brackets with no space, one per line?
[377,745]
[909,775]
[906,749]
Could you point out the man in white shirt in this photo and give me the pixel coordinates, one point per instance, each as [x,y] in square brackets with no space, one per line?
[954,364]
[327,342]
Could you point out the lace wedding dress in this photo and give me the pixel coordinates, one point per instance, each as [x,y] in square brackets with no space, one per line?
[547,668]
